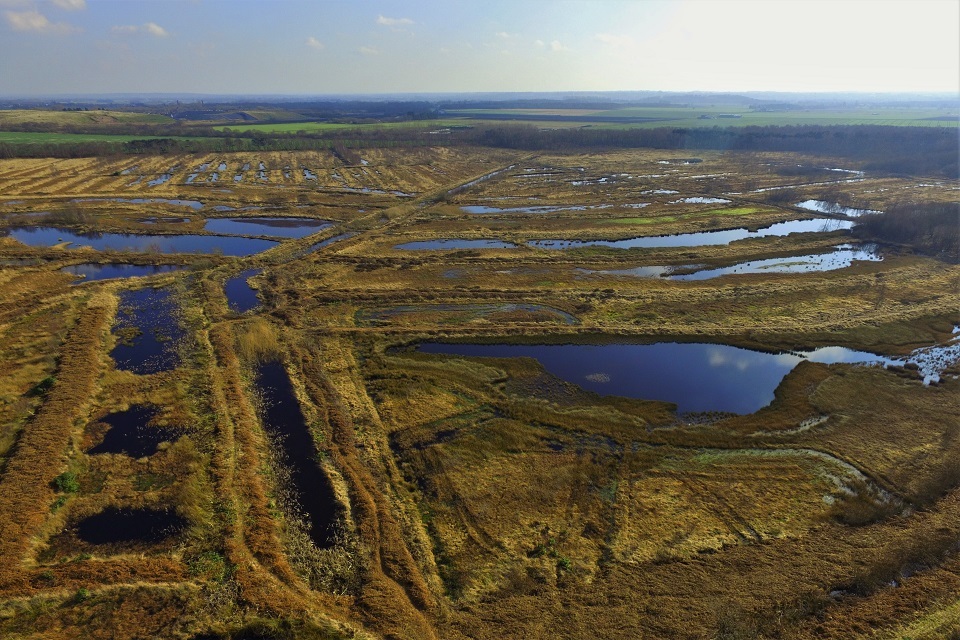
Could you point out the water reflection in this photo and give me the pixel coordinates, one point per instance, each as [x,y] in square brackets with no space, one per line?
[696,377]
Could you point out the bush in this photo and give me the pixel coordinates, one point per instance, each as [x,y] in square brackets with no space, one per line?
[66,482]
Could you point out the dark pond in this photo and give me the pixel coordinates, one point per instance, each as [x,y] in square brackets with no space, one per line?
[127,526]
[148,331]
[284,422]
[696,377]
[266,226]
[841,258]
[130,433]
[240,295]
[183,243]
[93,271]
[821,206]
[702,238]
[454,243]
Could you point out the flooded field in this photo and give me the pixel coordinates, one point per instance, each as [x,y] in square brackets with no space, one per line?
[241,297]
[284,421]
[130,433]
[148,332]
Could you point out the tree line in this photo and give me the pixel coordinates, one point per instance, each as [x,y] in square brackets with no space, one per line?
[880,149]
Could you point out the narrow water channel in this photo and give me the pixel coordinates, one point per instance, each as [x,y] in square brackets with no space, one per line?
[286,425]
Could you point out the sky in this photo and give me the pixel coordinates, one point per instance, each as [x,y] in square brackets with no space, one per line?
[400,46]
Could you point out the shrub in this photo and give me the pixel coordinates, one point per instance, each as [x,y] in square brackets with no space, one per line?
[66,482]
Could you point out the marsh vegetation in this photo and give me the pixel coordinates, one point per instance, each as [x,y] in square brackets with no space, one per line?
[369,399]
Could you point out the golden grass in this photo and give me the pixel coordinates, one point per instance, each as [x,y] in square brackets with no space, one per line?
[482,500]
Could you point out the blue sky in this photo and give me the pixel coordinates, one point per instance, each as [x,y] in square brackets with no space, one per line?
[369,46]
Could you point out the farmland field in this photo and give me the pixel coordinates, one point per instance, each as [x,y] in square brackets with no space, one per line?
[435,399]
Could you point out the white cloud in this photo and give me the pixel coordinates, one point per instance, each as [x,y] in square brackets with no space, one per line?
[71,5]
[504,35]
[37,22]
[155,30]
[313,43]
[369,51]
[393,22]
[555,45]
[540,43]
[151,28]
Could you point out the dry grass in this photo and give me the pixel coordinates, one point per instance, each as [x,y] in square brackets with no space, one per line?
[482,500]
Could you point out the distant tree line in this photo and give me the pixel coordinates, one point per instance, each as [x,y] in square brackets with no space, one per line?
[925,151]
[898,150]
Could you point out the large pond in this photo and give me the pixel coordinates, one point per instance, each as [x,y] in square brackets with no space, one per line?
[241,297]
[267,226]
[92,271]
[702,238]
[696,377]
[284,421]
[181,243]
[148,332]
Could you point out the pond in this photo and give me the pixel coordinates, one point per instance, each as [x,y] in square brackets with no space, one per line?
[284,421]
[130,526]
[702,238]
[697,377]
[241,297]
[159,243]
[454,243]
[130,433]
[821,206]
[161,179]
[148,332]
[266,226]
[842,257]
[91,271]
